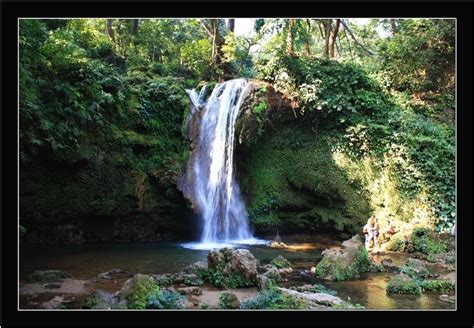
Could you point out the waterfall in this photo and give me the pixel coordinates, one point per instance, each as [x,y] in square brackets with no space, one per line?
[213,187]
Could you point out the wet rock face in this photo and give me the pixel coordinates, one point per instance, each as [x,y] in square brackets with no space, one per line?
[234,262]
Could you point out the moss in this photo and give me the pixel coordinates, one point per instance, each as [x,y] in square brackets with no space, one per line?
[328,268]
[126,169]
[218,278]
[310,193]
[145,288]
[403,285]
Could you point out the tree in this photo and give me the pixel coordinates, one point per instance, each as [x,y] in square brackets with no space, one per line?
[213,27]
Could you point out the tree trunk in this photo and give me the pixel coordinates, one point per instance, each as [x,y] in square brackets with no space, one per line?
[110,30]
[327,33]
[290,49]
[393,25]
[334,32]
[308,38]
[212,28]
[231,25]
[135,27]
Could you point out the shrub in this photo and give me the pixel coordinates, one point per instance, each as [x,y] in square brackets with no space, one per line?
[280,262]
[403,285]
[166,299]
[218,278]
[428,242]
[437,285]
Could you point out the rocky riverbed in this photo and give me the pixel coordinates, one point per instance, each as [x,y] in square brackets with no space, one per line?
[345,277]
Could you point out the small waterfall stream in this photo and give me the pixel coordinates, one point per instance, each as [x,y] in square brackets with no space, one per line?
[213,187]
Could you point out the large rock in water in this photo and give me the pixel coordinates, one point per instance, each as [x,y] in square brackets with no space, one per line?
[234,262]
[346,262]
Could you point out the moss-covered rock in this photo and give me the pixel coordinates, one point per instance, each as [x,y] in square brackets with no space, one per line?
[138,290]
[231,268]
[103,300]
[280,262]
[344,263]
[45,276]
[403,284]
[291,183]
[228,301]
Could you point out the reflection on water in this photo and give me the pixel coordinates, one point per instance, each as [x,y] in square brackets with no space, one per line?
[370,291]
[87,260]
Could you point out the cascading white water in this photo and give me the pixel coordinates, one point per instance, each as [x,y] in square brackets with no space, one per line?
[214,188]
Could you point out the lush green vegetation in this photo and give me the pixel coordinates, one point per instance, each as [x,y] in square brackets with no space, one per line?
[221,279]
[369,130]
[399,285]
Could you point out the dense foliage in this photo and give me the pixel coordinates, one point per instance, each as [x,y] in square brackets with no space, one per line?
[102,104]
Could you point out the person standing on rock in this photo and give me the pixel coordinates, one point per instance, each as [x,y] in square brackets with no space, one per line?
[367,230]
[375,233]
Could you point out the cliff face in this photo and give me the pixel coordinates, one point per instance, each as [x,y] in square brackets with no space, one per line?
[119,185]
[287,171]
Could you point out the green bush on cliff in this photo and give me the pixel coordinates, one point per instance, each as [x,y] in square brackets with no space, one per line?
[389,147]
[425,241]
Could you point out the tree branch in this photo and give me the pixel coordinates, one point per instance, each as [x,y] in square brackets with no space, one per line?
[354,38]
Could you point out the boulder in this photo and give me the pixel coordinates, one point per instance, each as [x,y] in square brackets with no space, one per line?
[238,261]
[403,284]
[315,298]
[346,262]
[390,265]
[138,286]
[196,267]
[228,301]
[104,300]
